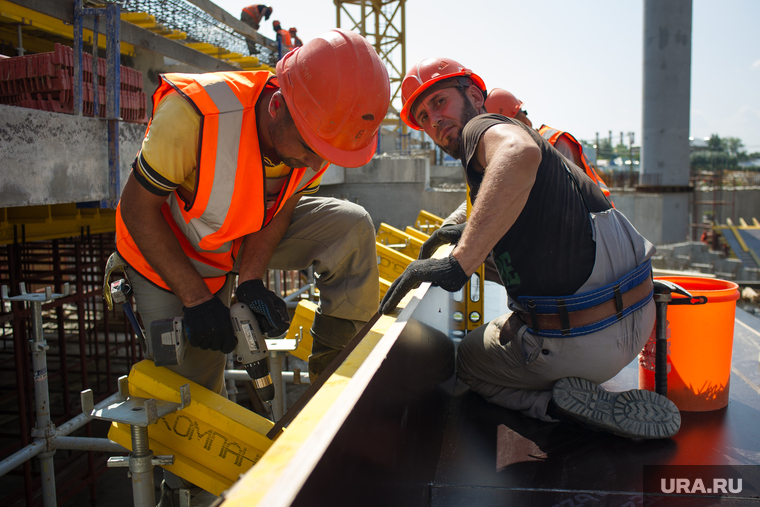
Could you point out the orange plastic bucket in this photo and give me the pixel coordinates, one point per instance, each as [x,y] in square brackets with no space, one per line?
[700,343]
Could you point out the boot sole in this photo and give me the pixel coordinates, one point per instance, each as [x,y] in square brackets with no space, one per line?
[633,414]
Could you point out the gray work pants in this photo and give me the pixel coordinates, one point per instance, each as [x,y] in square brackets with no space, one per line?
[516,369]
[337,238]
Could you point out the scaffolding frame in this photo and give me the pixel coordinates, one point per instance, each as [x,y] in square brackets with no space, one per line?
[387,19]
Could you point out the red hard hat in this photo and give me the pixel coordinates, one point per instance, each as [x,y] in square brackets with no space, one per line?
[425,74]
[502,102]
[337,90]
[292,30]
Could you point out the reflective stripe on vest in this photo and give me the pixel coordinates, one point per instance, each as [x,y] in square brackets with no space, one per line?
[227,204]
[553,135]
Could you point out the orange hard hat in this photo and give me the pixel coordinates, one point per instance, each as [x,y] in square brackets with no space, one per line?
[425,74]
[502,102]
[338,91]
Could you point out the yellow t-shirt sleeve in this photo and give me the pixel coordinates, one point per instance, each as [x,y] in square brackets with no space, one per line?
[313,187]
[169,154]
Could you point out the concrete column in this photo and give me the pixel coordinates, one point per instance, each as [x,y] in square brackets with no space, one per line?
[666,102]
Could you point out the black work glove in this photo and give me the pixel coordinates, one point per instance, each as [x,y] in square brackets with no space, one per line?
[446,234]
[209,326]
[444,273]
[269,309]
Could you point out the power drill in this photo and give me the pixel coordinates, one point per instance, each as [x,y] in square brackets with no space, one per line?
[169,344]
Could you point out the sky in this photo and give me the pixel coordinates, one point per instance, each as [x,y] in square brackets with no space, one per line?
[576,66]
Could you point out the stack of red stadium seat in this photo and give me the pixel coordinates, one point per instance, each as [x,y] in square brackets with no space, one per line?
[46,81]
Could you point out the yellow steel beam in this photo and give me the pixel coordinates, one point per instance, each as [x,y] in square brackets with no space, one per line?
[384,286]
[213,440]
[389,235]
[391,263]
[320,418]
[415,233]
[38,223]
[301,323]
[428,222]
[15,13]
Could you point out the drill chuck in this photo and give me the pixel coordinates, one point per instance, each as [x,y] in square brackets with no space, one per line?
[262,381]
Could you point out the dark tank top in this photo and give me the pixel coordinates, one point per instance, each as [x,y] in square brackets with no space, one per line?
[550,250]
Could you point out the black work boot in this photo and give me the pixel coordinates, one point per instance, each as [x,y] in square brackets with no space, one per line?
[330,335]
[633,414]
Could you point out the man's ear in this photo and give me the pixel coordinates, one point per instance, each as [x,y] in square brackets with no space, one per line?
[476,96]
[275,103]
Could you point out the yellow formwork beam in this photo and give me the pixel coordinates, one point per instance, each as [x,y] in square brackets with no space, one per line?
[389,235]
[148,22]
[209,49]
[428,222]
[38,223]
[301,323]
[322,411]
[384,286]
[416,233]
[27,17]
[213,440]
[391,263]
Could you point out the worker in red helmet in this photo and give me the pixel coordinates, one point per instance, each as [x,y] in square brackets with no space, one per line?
[283,37]
[503,102]
[252,15]
[222,186]
[294,37]
[577,274]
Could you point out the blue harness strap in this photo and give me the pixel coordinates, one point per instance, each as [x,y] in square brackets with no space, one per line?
[571,308]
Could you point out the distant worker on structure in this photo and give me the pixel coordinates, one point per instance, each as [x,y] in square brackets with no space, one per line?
[251,16]
[577,274]
[283,37]
[297,43]
[219,188]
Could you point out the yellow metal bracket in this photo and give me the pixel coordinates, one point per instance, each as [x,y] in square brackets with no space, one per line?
[213,440]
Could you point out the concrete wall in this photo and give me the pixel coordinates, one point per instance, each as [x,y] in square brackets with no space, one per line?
[655,215]
[392,190]
[742,203]
[52,158]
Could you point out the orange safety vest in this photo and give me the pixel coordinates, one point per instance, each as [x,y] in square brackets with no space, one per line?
[253,12]
[287,43]
[553,135]
[229,201]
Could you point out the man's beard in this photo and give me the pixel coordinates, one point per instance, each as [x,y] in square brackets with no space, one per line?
[454,146]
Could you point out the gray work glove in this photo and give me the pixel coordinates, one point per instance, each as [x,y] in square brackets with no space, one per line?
[444,273]
[447,234]
[209,326]
[270,310]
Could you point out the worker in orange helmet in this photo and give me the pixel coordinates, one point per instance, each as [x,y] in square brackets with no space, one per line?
[283,37]
[294,37]
[577,274]
[503,102]
[221,186]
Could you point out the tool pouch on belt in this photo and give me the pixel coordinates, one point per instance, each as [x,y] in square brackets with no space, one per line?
[589,312]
